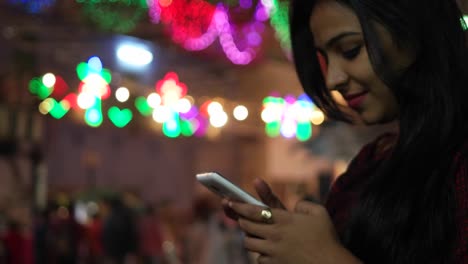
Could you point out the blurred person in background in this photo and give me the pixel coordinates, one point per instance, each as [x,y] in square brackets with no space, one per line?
[214,238]
[64,235]
[3,229]
[404,197]
[151,238]
[119,232]
[93,230]
[16,248]
[174,224]
[41,229]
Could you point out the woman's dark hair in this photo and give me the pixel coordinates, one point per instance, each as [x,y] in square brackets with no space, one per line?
[406,212]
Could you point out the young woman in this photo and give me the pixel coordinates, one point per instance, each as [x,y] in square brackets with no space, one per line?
[404,197]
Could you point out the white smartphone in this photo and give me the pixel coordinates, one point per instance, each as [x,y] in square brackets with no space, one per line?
[226,189]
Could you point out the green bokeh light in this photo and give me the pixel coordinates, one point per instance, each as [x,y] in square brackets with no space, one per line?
[37,87]
[59,109]
[120,118]
[280,22]
[304,131]
[142,106]
[82,70]
[186,128]
[120,16]
[273,129]
[106,75]
[273,100]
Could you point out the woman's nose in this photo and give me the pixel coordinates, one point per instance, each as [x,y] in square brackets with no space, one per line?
[336,78]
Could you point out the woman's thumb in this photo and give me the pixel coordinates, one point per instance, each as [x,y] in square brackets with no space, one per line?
[266,195]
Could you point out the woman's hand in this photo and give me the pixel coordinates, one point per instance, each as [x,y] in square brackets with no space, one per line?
[264,192]
[305,236]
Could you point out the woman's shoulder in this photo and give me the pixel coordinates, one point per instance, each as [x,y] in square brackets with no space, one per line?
[376,150]
[365,162]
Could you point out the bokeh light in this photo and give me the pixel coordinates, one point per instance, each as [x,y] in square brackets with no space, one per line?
[214,108]
[317,117]
[86,100]
[154,100]
[122,94]
[134,55]
[219,119]
[290,117]
[46,106]
[183,106]
[240,112]
[48,80]
[162,114]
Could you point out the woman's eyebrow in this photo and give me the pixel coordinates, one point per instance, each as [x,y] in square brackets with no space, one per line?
[338,37]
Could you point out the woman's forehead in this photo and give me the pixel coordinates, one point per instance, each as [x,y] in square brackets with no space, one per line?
[330,18]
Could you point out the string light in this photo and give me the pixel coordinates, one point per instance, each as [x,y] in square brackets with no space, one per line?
[171,106]
[226,39]
[195,25]
[280,22]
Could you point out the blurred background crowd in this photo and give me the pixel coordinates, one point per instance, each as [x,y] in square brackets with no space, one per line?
[121,228]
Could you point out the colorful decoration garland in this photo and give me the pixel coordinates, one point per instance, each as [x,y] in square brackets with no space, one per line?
[119,16]
[196,24]
[169,105]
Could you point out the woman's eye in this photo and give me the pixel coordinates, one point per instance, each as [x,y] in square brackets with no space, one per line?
[352,53]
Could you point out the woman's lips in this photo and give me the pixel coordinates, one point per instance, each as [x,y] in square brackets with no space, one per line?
[355,100]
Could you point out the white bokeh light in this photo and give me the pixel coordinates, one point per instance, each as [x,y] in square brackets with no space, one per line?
[154,100]
[214,108]
[219,119]
[240,112]
[86,100]
[288,129]
[161,114]
[183,105]
[49,80]
[122,94]
[272,113]
[134,55]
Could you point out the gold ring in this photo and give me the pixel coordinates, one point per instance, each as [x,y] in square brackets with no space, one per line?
[266,215]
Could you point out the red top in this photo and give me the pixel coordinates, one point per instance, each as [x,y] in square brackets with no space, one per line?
[345,192]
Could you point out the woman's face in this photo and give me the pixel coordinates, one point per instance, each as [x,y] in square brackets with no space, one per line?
[339,38]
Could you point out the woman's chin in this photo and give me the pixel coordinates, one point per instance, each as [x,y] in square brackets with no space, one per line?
[376,118]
